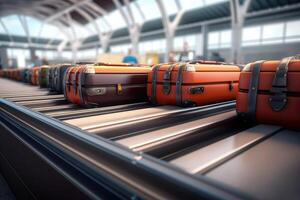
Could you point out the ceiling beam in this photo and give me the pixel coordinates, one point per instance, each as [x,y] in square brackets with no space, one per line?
[99,9]
[24,24]
[66,10]
[139,10]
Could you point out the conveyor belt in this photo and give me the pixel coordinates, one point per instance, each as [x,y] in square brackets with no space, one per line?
[57,108]
[34,98]
[144,119]
[96,167]
[43,102]
[146,140]
[269,170]
[206,158]
[84,112]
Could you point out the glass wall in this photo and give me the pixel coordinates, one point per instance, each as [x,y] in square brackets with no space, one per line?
[122,48]
[14,26]
[87,55]
[265,34]
[219,39]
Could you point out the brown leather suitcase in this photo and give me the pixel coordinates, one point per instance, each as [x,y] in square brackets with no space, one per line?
[106,84]
[193,83]
[269,92]
[16,74]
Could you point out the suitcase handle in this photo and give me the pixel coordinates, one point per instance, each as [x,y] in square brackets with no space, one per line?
[209,62]
[118,64]
[167,79]
[85,63]
[196,89]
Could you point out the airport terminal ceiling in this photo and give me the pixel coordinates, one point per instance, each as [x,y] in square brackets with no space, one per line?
[63,13]
[150,99]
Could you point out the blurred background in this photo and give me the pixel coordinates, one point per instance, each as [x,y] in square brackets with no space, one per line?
[36,32]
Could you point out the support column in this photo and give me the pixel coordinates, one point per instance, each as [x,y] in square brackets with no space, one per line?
[105,39]
[61,47]
[135,36]
[238,14]
[169,26]
[133,27]
[4,57]
[204,31]
[32,53]
[75,43]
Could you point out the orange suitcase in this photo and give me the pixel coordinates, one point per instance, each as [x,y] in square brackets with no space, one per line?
[193,83]
[35,75]
[70,82]
[269,92]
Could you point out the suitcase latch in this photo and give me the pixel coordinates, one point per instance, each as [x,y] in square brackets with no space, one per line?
[167,75]
[196,90]
[167,80]
[119,89]
[96,91]
[231,86]
[278,98]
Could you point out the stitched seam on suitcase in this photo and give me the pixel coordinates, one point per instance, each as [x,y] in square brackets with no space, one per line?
[266,92]
[211,83]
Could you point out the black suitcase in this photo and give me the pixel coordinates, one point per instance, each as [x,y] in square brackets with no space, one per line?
[50,78]
[56,77]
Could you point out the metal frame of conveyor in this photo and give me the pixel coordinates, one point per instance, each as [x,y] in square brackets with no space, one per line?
[44,158]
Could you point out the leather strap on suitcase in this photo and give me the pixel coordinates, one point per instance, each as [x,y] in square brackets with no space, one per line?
[152,98]
[182,67]
[253,87]
[278,99]
[167,80]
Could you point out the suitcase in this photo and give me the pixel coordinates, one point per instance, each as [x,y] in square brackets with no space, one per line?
[34,75]
[106,84]
[69,80]
[17,74]
[24,75]
[13,74]
[269,92]
[44,76]
[193,83]
[50,78]
[70,84]
[56,77]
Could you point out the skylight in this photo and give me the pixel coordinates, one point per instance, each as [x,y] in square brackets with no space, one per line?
[116,19]
[14,25]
